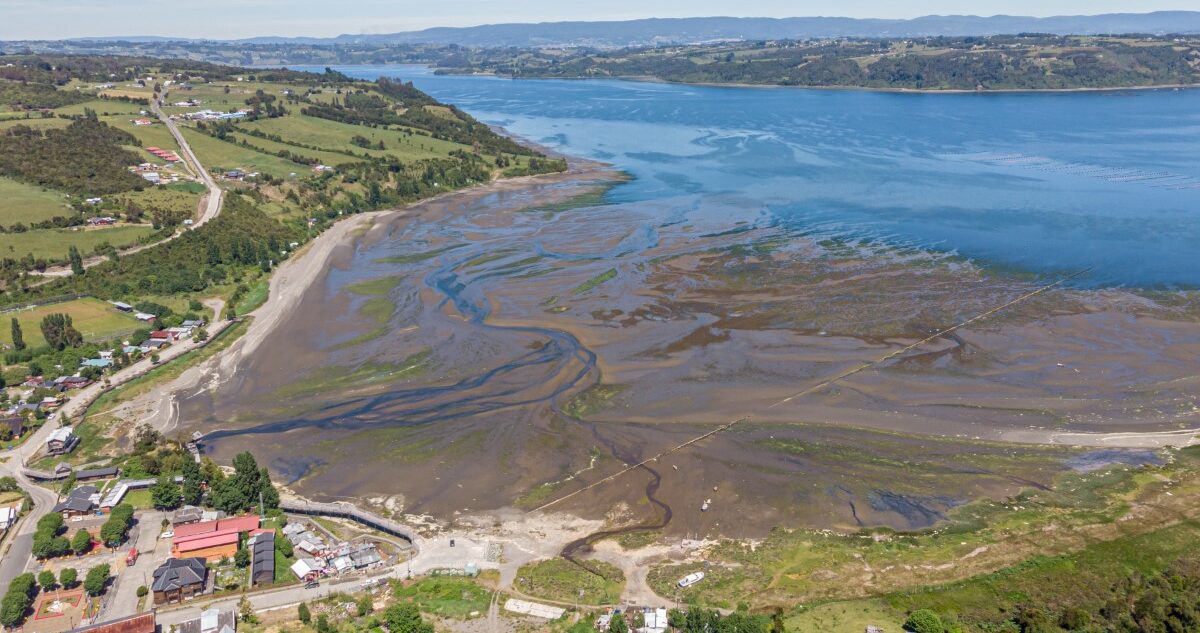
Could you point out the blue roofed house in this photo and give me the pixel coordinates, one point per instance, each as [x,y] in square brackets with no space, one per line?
[101,363]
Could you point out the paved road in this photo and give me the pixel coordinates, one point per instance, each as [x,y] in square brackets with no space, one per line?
[263,601]
[211,202]
[19,544]
[213,206]
[17,555]
[121,599]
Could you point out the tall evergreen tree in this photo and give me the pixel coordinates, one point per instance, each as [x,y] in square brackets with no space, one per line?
[18,338]
[76,261]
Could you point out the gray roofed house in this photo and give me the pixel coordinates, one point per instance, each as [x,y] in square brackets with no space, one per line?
[211,621]
[178,579]
[262,558]
[187,514]
[366,557]
[61,441]
[14,423]
[75,506]
[97,473]
[81,501]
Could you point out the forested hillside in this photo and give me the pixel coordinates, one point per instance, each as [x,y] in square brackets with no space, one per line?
[84,158]
[87,168]
[1027,62]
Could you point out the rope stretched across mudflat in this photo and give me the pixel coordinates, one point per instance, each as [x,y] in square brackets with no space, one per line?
[825,383]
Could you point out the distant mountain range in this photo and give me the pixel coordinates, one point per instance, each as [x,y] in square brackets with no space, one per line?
[701,30]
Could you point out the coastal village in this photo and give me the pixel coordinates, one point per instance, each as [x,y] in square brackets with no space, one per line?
[109,541]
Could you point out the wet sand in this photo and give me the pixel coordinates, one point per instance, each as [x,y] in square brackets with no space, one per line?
[500,347]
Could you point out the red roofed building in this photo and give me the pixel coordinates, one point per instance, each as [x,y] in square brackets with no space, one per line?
[211,540]
[140,623]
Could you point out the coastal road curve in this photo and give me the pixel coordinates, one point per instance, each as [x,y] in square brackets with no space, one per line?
[19,545]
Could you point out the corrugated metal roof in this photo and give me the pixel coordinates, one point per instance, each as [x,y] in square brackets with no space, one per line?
[140,623]
[206,541]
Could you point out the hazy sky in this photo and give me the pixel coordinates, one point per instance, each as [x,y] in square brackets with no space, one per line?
[224,19]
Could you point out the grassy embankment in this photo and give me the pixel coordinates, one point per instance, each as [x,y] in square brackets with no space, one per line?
[1054,549]
[445,596]
[561,580]
[54,244]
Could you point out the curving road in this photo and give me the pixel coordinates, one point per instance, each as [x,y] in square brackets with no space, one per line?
[211,202]
[19,545]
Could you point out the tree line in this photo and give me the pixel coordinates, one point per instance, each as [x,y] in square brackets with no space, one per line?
[242,236]
[1029,61]
[85,158]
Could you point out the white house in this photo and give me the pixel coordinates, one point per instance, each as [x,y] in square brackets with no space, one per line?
[8,516]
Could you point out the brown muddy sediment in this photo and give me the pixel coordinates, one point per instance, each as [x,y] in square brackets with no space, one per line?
[498,317]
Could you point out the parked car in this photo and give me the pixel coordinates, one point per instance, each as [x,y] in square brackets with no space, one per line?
[312,584]
[167,534]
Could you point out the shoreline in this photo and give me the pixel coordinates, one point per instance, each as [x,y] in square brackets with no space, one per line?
[294,277]
[297,275]
[915,91]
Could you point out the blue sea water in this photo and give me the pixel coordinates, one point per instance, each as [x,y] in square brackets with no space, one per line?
[1042,183]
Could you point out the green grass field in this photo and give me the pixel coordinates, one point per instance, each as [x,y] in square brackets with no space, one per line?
[156,135]
[334,135]
[170,197]
[213,96]
[95,319]
[560,579]
[445,596]
[846,617]
[215,154]
[24,203]
[327,158]
[103,107]
[139,499]
[254,298]
[36,123]
[54,244]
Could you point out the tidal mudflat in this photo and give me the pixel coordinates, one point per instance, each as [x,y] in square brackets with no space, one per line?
[502,349]
[507,346]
